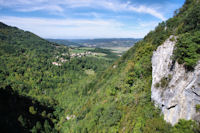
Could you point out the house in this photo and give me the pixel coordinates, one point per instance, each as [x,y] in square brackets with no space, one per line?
[55,63]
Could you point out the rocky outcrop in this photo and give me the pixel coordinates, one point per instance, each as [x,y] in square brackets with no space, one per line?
[174,90]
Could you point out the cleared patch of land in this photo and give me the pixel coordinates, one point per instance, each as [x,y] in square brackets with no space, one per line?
[117,49]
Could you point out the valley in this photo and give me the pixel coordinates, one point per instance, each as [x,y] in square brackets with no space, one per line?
[115,45]
[116,85]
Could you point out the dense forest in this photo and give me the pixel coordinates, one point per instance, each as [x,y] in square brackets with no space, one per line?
[121,99]
[38,96]
[65,42]
[27,72]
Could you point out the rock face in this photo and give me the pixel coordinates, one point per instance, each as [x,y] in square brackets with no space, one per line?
[174,90]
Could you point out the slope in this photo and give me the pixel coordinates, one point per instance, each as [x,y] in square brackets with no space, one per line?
[39,75]
[121,98]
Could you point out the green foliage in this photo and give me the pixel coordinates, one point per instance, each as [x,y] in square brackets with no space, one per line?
[26,67]
[47,127]
[32,110]
[34,130]
[156,125]
[38,125]
[117,99]
[22,121]
[188,49]
[164,81]
[110,117]
[197,107]
[15,116]
[192,20]
[128,86]
[172,39]
[184,126]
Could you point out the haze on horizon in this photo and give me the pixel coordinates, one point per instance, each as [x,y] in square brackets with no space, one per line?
[81,19]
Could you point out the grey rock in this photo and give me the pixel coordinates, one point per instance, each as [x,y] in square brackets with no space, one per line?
[178,99]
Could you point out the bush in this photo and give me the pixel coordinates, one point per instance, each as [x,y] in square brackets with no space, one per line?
[38,125]
[32,110]
[184,126]
[156,125]
[172,39]
[197,107]
[187,50]
[22,121]
[157,85]
[110,117]
[164,82]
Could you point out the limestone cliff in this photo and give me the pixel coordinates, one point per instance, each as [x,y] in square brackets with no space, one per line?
[174,90]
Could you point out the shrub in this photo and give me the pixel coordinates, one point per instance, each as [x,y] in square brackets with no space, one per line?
[32,110]
[38,125]
[187,50]
[164,82]
[184,126]
[172,39]
[157,85]
[197,107]
[110,117]
[22,121]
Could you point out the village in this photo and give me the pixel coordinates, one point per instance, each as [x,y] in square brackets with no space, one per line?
[73,55]
[82,54]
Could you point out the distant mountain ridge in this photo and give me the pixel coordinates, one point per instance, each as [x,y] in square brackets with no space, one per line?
[101,42]
[107,42]
[65,42]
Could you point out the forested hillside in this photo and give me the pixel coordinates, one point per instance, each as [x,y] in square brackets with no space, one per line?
[33,70]
[122,94]
[65,42]
[89,94]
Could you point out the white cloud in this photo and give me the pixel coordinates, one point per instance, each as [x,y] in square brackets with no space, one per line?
[75,28]
[32,5]
[45,7]
[151,11]
[116,6]
[61,5]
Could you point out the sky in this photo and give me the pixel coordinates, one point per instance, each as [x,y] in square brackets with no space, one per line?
[81,19]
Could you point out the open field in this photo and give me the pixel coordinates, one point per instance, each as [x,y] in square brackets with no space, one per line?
[119,50]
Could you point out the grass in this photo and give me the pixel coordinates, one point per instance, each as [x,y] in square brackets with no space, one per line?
[77,50]
[117,49]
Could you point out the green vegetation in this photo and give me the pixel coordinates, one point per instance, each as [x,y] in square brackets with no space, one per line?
[197,107]
[164,82]
[32,110]
[65,42]
[79,50]
[15,115]
[127,87]
[27,68]
[186,25]
[184,126]
[188,49]
[90,94]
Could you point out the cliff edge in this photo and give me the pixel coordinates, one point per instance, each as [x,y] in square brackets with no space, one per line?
[174,90]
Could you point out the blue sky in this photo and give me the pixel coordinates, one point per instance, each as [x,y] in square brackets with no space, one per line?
[72,19]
